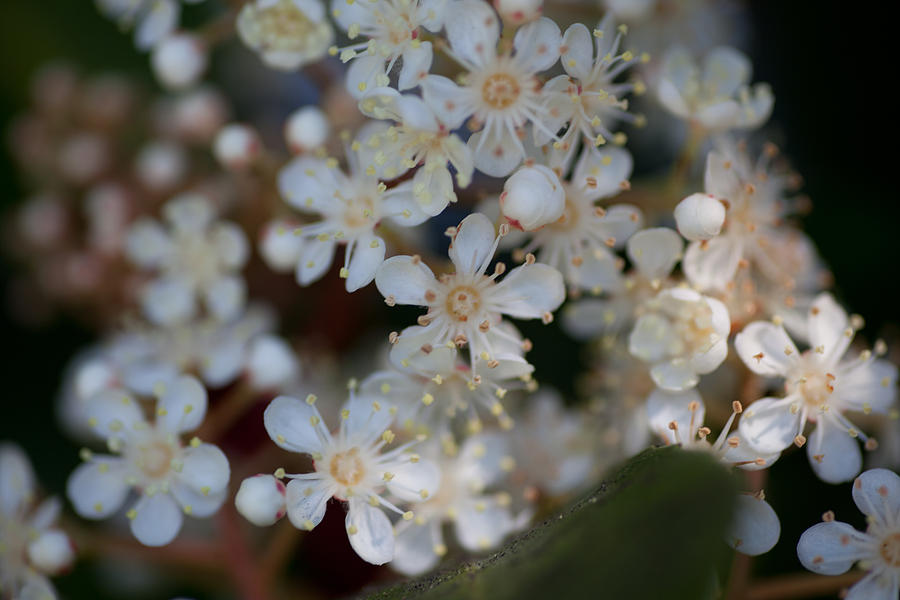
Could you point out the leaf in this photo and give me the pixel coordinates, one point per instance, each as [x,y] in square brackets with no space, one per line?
[655,530]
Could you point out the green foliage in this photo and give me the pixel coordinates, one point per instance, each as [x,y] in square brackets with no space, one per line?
[654,530]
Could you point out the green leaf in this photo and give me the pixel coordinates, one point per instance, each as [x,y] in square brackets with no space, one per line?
[654,530]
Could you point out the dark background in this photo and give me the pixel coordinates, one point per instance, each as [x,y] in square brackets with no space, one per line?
[831,69]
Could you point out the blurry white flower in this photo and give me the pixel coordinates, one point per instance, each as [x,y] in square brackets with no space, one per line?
[417,139]
[195,257]
[532,197]
[351,207]
[683,334]
[31,548]
[820,387]
[306,129]
[153,20]
[287,34]
[391,31]
[481,519]
[236,146]
[179,60]
[717,98]
[832,547]
[170,478]
[350,466]
[161,165]
[466,307]
[501,91]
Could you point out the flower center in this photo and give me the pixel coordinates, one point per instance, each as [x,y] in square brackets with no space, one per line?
[359,212]
[813,384]
[462,302]
[569,218]
[890,550]
[283,25]
[155,459]
[347,467]
[500,90]
[197,260]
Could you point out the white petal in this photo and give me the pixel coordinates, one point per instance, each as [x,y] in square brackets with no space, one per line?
[51,552]
[481,524]
[226,297]
[17,480]
[718,116]
[712,265]
[279,247]
[755,527]
[821,548]
[415,481]
[651,337]
[724,71]
[768,425]
[869,386]
[406,279]
[308,184]
[709,360]
[261,499]
[365,417]
[168,301]
[670,97]
[158,520]
[113,413]
[655,252]
[231,245]
[473,244]
[271,362]
[182,406]
[600,172]
[223,363]
[289,422]
[592,318]
[414,547]
[407,355]
[315,259]
[833,453]
[537,44]
[432,190]
[196,503]
[366,72]
[416,64]
[828,324]
[721,178]
[756,107]
[482,457]
[877,494]
[373,539]
[874,587]
[158,20]
[742,452]
[665,407]
[499,154]
[97,488]
[766,349]
[147,244]
[46,514]
[530,291]
[448,101]
[472,29]
[368,255]
[205,469]
[674,375]
[578,58]
[306,501]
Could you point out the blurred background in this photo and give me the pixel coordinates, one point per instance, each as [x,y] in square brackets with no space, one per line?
[829,65]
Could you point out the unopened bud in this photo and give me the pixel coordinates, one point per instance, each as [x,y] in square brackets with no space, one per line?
[236,146]
[261,499]
[179,60]
[700,217]
[532,197]
[306,129]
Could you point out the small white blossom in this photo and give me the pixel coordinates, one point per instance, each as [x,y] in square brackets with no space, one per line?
[832,547]
[31,548]
[287,34]
[466,307]
[153,20]
[351,207]
[821,385]
[195,257]
[236,146]
[306,129]
[717,98]
[350,466]
[171,479]
[179,60]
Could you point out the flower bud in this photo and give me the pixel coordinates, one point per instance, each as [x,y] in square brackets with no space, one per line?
[700,217]
[161,165]
[532,197]
[271,362]
[236,146]
[179,60]
[306,129]
[51,552]
[517,12]
[261,499]
[279,247]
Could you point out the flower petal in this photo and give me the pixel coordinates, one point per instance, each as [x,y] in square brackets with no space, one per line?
[370,532]
[537,44]
[755,527]
[481,524]
[578,55]
[416,64]
[158,520]
[405,279]
[831,548]
[674,375]
[655,252]
[290,424]
[473,243]
[415,481]
[877,494]
[664,407]
[306,501]
[828,327]
[97,488]
[416,547]
[833,453]
[182,406]
[768,425]
[17,481]
[766,349]
[530,291]
[315,259]
[472,29]
[168,301]
[368,255]
[113,413]
[724,71]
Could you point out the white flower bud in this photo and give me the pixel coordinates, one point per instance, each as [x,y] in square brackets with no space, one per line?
[161,165]
[700,217]
[261,499]
[532,197]
[198,115]
[517,12]
[236,146]
[51,552]
[306,129]
[271,362]
[179,60]
[279,247]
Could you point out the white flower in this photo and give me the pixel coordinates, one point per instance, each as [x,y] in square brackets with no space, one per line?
[31,548]
[501,91]
[683,334]
[466,307]
[532,197]
[417,138]
[351,207]
[480,519]
[306,129]
[170,478]
[392,31]
[700,217]
[588,97]
[349,466]
[236,146]
[153,20]
[718,98]
[287,34]
[578,243]
[832,547]
[195,258]
[820,384]
[179,60]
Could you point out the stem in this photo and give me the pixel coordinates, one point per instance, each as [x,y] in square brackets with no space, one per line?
[805,585]
[225,413]
[280,547]
[682,169]
[241,565]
